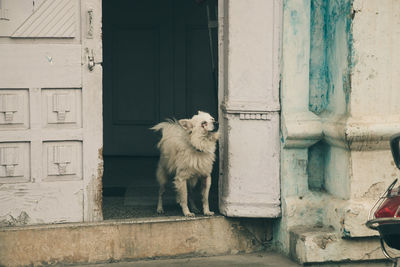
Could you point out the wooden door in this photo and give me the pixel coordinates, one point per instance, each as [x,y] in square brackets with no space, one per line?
[157,65]
[50,111]
[250,109]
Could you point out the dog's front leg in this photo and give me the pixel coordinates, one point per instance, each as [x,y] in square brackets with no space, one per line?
[206,184]
[182,195]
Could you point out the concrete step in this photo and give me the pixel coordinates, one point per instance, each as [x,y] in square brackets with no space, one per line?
[322,244]
[261,259]
[131,239]
[348,217]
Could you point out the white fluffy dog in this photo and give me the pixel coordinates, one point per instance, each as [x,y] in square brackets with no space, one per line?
[187,152]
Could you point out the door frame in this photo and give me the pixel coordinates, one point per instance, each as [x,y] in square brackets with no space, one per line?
[92,82]
[234,112]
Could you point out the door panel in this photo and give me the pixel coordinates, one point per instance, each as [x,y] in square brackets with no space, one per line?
[40,65]
[137,74]
[138,103]
[201,88]
[195,82]
[50,109]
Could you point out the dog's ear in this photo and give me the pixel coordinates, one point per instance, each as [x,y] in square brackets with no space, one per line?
[186,124]
[200,112]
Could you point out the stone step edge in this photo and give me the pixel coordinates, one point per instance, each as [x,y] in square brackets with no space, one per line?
[313,244]
[348,217]
[141,220]
[97,242]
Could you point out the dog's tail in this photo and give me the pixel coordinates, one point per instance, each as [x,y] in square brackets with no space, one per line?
[162,125]
[158,127]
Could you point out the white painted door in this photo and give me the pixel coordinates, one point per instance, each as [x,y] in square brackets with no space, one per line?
[50,111]
[249,37]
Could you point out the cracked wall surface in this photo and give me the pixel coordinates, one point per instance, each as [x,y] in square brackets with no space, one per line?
[339,108]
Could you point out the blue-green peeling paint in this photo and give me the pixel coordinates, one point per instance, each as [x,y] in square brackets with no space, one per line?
[318,97]
[330,56]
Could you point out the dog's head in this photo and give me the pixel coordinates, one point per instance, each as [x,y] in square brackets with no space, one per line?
[201,126]
[202,123]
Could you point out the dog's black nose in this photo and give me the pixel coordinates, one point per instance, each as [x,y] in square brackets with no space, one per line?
[216,125]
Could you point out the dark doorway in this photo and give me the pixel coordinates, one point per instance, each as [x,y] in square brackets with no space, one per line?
[157,64]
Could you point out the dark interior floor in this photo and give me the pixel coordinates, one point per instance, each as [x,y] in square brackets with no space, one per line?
[122,203]
[114,208]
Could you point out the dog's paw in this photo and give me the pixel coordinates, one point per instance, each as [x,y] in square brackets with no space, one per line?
[209,213]
[160,211]
[189,214]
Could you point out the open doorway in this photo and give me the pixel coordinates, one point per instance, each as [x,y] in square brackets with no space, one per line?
[160,59]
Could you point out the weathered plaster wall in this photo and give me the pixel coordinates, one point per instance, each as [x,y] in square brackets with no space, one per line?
[340,105]
[376,71]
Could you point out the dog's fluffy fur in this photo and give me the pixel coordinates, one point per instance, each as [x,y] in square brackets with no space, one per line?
[187,152]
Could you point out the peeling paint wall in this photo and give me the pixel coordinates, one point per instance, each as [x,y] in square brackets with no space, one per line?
[338,51]
[330,55]
[318,62]
[340,105]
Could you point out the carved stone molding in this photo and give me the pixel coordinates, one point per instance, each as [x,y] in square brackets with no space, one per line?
[254,116]
[301,129]
[360,133]
[235,106]
[249,110]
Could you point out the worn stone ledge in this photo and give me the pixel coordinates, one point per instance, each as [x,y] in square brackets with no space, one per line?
[107,223]
[363,133]
[301,130]
[79,243]
[235,209]
[321,244]
[346,218]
